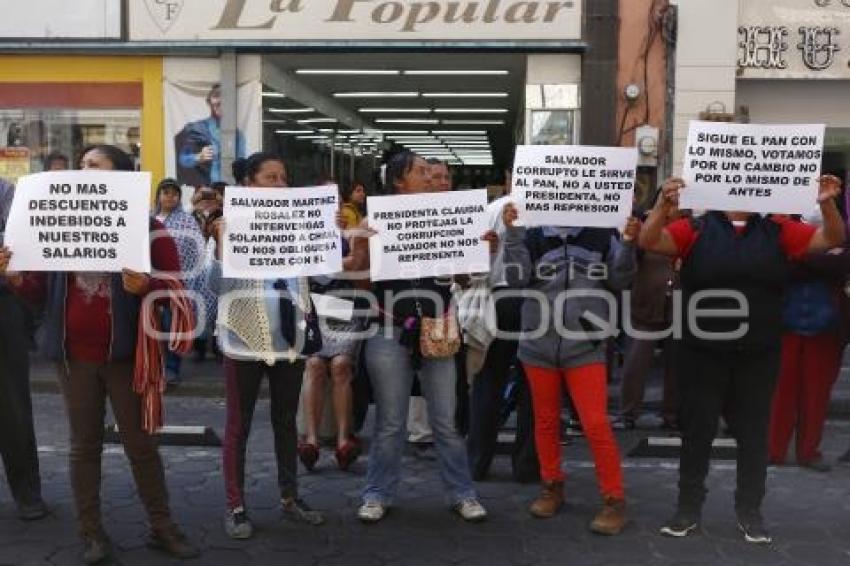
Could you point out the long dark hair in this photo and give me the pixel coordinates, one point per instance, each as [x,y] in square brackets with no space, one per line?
[119,159]
[256,161]
[346,190]
[398,166]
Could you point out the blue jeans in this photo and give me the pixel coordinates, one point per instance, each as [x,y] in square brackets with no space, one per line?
[391,373]
[172,360]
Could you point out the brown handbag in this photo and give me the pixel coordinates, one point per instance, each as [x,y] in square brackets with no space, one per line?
[439,337]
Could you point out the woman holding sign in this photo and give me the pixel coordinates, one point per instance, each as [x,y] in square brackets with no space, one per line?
[737,262]
[253,337]
[90,328]
[394,355]
[554,262]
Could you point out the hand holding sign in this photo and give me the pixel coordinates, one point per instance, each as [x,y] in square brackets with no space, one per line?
[829,187]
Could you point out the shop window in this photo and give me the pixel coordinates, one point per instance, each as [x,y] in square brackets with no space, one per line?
[551,127]
[29,135]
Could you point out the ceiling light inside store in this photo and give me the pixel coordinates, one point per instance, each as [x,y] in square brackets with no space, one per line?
[273,95]
[428,72]
[474,122]
[464,94]
[317,137]
[292,110]
[405,121]
[346,72]
[394,110]
[403,132]
[293,132]
[376,94]
[470,110]
[318,121]
[459,132]
[349,131]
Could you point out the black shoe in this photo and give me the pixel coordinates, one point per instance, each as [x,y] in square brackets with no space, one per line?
[32,511]
[298,511]
[752,527]
[845,459]
[96,549]
[174,543]
[682,524]
[625,422]
[817,465]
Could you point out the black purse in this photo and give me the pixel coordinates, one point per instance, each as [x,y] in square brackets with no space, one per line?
[300,329]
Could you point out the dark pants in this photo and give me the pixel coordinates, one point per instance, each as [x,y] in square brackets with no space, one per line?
[487,403]
[243,387]
[635,371]
[17,436]
[86,387]
[711,382]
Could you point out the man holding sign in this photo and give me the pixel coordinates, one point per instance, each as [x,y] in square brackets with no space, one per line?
[90,327]
[733,276]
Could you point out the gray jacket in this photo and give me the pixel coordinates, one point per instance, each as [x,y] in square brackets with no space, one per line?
[555,332]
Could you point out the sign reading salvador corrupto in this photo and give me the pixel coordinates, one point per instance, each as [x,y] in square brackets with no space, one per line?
[563,185]
[279,233]
[752,168]
[428,235]
[80,221]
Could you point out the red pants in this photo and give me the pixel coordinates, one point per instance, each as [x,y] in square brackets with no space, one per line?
[810,366]
[589,391]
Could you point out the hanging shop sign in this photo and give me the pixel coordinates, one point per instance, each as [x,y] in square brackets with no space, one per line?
[353,20]
[794,39]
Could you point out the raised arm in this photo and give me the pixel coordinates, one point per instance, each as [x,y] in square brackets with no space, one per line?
[832,233]
[653,236]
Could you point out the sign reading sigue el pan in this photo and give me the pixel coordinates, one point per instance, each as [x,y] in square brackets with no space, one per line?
[354,20]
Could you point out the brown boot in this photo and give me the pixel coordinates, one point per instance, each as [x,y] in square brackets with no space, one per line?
[551,499]
[611,519]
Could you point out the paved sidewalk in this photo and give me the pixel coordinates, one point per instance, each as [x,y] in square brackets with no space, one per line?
[809,513]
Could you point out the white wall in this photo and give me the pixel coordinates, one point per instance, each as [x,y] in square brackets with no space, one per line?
[796,101]
[706,61]
[57,19]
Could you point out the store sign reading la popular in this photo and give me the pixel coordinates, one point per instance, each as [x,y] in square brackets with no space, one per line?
[354,20]
[794,39]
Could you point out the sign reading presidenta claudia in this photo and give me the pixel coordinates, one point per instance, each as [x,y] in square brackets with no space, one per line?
[354,20]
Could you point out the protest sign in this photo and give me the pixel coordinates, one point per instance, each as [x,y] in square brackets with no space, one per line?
[281,233]
[565,185]
[752,168]
[428,235]
[80,221]
[14,163]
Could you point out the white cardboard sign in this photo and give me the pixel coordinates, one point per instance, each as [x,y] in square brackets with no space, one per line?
[752,168]
[281,233]
[80,221]
[428,235]
[582,186]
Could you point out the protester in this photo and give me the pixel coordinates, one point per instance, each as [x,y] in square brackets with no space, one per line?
[393,358]
[565,255]
[335,362]
[354,205]
[491,363]
[651,312]
[18,445]
[815,325]
[90,330]
[441,177]
[56,161]
[251,335]
[735,372]
[190,249]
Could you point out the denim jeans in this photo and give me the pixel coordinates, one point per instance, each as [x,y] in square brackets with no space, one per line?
[391,373]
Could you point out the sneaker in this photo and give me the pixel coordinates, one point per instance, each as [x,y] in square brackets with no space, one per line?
[237,525]
[96,549]
[308,454]
[550,500]
[683,524]
[611,519]
[371,512]
[298,511]
[32,511]
[174,543]
[752,527]
[471,510]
